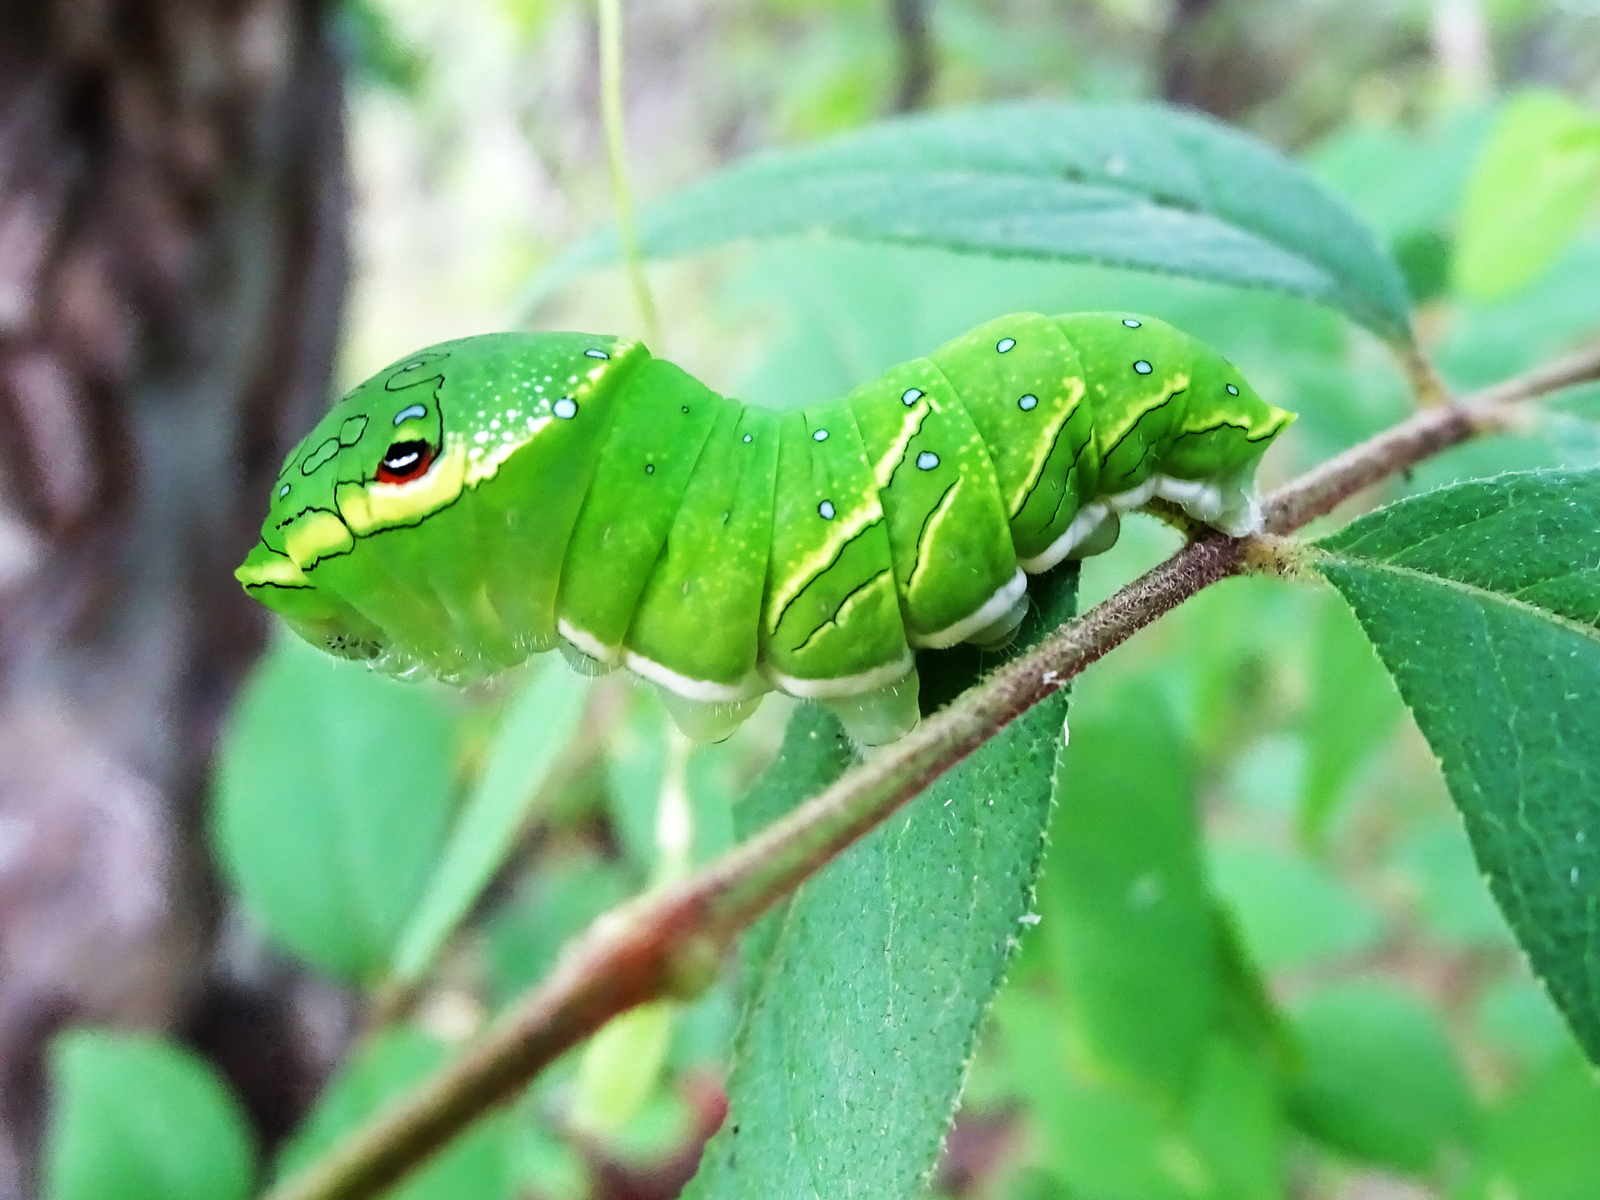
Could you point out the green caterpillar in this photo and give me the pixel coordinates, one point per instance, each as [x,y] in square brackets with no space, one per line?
[498,496]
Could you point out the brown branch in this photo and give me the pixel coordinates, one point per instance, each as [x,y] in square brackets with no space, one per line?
[668,942]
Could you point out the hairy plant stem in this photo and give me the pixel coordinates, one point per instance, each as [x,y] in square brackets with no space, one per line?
[667,942]
[617,159]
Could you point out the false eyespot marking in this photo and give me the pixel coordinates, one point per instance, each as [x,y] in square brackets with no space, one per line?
[820,435]
[595,354]
[405,414]
[927,460]
[910,396]
[1232,391]
[1142,367]
[1028,403]
[1005,344]
[1130,322]
[566,408]
[826,510]
[404,461]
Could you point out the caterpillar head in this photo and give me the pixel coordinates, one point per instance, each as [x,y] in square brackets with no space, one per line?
[340,555]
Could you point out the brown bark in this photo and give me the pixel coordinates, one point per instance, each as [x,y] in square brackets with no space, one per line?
[172,261]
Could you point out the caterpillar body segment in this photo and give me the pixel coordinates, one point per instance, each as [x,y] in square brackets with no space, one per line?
[503,495]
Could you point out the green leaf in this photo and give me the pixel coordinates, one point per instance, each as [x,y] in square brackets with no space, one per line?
[1127,185]
[332,797]
[533,733]
[1536,180]
[1290,911]
[136,1118]
[1353,707]
[478,1164]
[1126,917]
[867,990]
[552,904]
[1517,1017]
[1482,599]
[620,1068]
[1539,1143]
[1102,1141]
[1452,898]
[1379,1079]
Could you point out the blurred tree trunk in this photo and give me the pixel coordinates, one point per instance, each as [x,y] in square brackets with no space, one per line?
[172,266]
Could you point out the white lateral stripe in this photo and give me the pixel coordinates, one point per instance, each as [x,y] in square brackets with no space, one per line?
[1134,497]
[1085,523]
[706,691]
[589,644]
[990,611]
[847,685]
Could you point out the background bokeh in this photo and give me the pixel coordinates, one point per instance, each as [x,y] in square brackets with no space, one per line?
[1404,1051]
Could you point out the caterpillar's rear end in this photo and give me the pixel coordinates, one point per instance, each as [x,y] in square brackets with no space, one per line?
[499,496]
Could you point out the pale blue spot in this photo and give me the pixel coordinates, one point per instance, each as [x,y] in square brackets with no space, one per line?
[566,408]
[748,438]
[595,354]
[1142,367]
[927,460]
[1130,322]
[826,509]
[405,414]
[820,435]
[910,396]
[1005,344]
[1028,403]
[1232,391]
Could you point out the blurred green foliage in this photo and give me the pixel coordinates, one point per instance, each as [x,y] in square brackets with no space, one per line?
[1262,959]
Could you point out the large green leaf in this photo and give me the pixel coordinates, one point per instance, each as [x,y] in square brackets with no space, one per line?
[534,731]
[332,798]
[1536,180]
[867,989]
[1128,185]
[1127,922]
[332,802]
[1379,1080]
[1538,1142]
[476,1165]
[134,1118]
[1100,1141]
[1482,600]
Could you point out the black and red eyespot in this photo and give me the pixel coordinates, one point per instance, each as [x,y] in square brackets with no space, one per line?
[405,461]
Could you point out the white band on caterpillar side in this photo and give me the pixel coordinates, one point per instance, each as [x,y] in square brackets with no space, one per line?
[1085,523]
[706,691]
[846,685]
[589,644]
[990,611]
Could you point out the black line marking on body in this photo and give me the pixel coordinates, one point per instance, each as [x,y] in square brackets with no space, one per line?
[1054,442]
[828,566]
[1065,491]
[1105,457]
[839,608]
[1212,429]
[922,534]
[915,434]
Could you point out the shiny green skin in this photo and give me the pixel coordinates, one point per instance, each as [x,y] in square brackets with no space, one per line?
[584,494]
